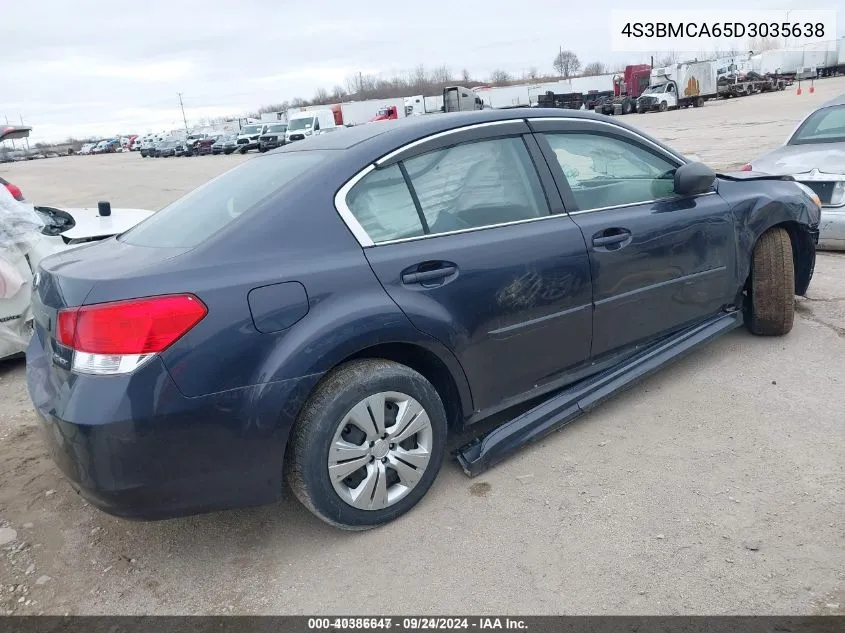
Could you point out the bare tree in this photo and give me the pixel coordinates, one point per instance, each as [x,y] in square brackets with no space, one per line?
[566,64]
[669,59]
[594,68]
[420,77]
[465,76]
[298,102]
[273,107]
[441,76]
[760,44]
[353,84]
[338,93]
[499,77]
[321,96]
[532,73]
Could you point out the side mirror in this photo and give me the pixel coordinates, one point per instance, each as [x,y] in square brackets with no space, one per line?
[693,178]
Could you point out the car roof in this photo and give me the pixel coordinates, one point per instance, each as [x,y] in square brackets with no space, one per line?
[408,129]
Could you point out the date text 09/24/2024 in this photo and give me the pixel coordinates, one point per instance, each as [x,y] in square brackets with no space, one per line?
[415,623]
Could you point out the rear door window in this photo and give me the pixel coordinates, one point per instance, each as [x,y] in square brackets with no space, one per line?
[383,206]
[206,210]
[477,184]
[467,186]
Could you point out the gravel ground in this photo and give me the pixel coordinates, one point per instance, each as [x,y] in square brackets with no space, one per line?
[715,487]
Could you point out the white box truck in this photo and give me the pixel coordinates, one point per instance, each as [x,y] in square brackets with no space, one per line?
[679,86]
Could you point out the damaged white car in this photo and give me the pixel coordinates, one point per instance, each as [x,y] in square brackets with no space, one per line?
[28,233]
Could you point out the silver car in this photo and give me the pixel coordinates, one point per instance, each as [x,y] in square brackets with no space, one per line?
[815,156]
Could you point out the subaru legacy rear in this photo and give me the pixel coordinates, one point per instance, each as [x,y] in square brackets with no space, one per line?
[143,361]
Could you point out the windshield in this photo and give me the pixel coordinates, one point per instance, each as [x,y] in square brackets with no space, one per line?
[250,129]
[655,89]
[277,128]
[823,126]
[301,124]
[204,211]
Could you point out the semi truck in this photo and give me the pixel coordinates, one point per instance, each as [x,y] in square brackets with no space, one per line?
[458,99]
[627,87]
[419,104]
[351,113]
[386,113]
[679,86]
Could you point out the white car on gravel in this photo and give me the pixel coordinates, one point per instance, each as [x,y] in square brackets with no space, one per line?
[29,233]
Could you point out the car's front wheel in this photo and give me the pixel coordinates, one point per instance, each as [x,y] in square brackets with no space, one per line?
[770,299]
[368,444]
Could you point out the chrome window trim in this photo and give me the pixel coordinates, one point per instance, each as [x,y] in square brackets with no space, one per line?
[416,238]
[615,126]
[432,137]
[634,204]
[366,241]
[346,213]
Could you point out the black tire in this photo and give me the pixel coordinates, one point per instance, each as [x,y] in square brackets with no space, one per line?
[770,302]
[698,102]
[627,107]
[306,461]
[662,107]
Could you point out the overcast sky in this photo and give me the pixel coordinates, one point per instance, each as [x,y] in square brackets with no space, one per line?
[104,67]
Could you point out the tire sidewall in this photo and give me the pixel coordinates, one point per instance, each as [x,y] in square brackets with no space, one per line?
[323,424]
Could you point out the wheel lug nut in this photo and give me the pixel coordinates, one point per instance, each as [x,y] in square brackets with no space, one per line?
[384,460]
[392,446]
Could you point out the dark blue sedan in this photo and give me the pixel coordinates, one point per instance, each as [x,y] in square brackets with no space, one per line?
[325,313]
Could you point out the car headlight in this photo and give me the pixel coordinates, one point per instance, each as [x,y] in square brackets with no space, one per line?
[814,198]
[810,194]
[837,197]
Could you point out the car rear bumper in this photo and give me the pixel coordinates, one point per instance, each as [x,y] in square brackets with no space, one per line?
[135,447]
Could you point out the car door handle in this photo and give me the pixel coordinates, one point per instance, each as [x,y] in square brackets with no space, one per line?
[429,275]
[615,238]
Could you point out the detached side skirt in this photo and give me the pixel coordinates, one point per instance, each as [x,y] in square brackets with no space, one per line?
[483,452]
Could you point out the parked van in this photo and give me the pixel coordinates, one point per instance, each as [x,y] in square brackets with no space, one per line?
[303,124]
[249,135]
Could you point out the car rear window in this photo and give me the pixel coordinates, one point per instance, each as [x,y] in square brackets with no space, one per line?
[206,210]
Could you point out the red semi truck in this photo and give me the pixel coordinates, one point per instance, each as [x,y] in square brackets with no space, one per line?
[357,112]
[626,88]
[386,113]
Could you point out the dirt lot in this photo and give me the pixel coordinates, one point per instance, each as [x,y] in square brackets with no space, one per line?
[715,487]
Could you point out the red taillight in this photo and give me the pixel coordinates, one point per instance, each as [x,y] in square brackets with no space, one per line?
[15,191]
[745,167]
[137,326]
